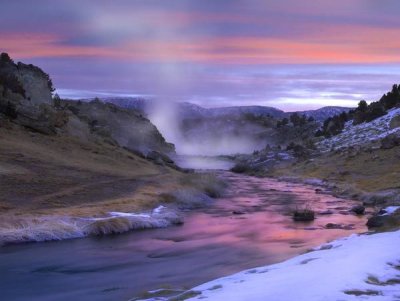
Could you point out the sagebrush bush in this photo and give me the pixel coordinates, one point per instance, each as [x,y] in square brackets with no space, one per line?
[303,214]
[208,183]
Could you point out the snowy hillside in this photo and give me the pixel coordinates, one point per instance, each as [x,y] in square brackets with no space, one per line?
[325,112]
[361,133]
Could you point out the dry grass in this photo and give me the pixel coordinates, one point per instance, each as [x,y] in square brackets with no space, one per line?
[368,171]
[205,182]
[63,175]
[49,185]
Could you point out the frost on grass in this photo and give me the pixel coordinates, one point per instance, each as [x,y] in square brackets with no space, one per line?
[360,267]
[362,133]
[45,228]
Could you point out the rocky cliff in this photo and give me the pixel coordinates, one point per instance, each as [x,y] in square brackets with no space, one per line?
[26,100]
[125,127]
[26,97]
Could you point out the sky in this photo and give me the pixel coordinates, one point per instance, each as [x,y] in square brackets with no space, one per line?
[290,54]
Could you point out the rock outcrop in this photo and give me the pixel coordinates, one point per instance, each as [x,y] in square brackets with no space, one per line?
[394,122]
[390,141]
[124,127]
[26,100]
[26,97]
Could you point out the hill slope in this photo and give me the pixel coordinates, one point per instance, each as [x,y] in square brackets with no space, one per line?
[72,169]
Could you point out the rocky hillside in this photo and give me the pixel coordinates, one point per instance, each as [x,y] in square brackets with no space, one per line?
[63,163]
[227,130]
[26,100]
[361,162]
[323,113]
[125,127]
[364,133]
[26,97]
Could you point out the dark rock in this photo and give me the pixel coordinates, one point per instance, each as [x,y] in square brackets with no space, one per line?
[326,212]
[238,212]
[333,226]
[389,221]
[358,209]
[390,141]
[382,211]
[339,226]
[395,122]
[376,221]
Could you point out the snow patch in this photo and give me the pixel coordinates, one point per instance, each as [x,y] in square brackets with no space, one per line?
[362,133]
[360,267]
[390,210]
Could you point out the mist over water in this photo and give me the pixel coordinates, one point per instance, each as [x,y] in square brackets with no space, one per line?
[207,140]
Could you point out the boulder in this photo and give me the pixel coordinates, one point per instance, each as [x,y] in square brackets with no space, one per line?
[238,212]
[26,97]
[385,221]
[390,141]
[376,221]
[358,209]
[395,122]
[339,226]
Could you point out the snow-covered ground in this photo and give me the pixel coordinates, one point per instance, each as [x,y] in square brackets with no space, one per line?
[360,267]
[361,133]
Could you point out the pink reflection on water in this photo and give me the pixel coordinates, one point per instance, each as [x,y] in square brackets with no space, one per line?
[263,234]
[212,243]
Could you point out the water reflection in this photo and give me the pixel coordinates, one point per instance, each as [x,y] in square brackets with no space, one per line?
[212,243]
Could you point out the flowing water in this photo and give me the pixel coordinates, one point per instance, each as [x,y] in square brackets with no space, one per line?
[213,242]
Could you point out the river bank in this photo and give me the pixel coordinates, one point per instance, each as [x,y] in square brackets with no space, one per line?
[364,267]
[59,187]
[251,225]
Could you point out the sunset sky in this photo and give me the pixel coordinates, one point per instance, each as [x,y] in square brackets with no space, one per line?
[291,54]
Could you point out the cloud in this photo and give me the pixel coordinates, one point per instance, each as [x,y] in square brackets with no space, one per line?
[215,52]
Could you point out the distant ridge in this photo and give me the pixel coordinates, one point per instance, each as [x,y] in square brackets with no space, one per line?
[189,110]
[325,112]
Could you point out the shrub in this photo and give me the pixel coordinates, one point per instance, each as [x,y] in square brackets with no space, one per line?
[5,58]
[299,150]
[205,182]
[298,120]
[187,198]
[240,168]
[303,215]
[283,122]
